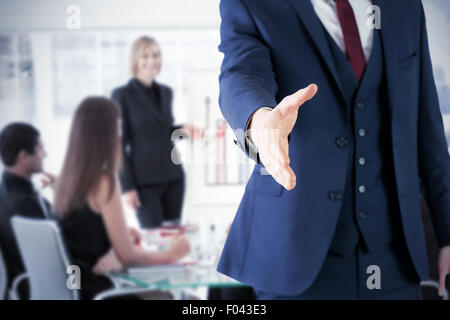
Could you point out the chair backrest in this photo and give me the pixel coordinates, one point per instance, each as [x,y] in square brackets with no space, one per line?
[3,270]
[45,258]
[3,276]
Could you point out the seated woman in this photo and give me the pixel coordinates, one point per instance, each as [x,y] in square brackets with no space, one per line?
[87,199]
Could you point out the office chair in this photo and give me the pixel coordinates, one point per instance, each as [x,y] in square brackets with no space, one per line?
[45,258]
[46,261]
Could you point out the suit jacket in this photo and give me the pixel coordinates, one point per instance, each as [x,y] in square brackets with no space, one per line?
[279,239]
[146,136]
[17,196]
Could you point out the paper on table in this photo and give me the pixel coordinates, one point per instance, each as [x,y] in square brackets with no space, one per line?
[173,267]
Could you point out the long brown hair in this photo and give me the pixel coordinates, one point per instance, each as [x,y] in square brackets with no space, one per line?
[92,152]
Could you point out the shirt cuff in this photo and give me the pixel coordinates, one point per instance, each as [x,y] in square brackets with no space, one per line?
[249,144]
[248,133]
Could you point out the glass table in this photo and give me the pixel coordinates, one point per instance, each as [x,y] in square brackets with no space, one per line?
[174,278]
[196,270]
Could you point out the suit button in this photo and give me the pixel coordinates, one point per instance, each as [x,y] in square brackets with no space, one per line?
[335,195]
[341,141]
[361,105]
[362,132]
[362,189]
[362,161]
[362,214]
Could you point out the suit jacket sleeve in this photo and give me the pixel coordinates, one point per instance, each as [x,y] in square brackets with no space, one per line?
[247,81]
[434,160]
[126,174]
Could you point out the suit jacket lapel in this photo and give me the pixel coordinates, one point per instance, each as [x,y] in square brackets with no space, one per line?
[313,25]
[389,43]
[144,103]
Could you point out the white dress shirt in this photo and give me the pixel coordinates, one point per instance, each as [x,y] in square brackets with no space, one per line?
[327,13]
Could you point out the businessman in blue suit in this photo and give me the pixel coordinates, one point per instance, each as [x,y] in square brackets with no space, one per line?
[331,210]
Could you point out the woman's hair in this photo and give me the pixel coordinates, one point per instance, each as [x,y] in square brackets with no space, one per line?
[93,152]
[138,47]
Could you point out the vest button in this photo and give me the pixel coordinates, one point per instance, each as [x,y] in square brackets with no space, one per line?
[362,189]
[361,105]
[362,214]
[342,141]
[362,161]
[362,132]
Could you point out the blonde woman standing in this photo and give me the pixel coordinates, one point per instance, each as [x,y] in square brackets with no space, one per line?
[152,183]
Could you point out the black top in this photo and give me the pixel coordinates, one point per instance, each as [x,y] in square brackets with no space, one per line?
[86,240]
[151,91]
[147,127]
[17,197]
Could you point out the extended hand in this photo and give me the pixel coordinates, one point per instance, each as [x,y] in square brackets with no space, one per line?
[269,130]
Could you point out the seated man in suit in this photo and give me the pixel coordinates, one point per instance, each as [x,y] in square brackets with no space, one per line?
[22,154]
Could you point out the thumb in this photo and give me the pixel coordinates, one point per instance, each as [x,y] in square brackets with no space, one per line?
[293,102]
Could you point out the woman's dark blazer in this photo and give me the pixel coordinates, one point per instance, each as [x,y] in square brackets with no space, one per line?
[146,136]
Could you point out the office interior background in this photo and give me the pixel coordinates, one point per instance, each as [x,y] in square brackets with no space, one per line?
[46,69]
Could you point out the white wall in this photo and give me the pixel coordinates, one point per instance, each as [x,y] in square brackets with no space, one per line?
[101,14]
[41,18]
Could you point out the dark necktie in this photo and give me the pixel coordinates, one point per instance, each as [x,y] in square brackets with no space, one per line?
[355,54]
